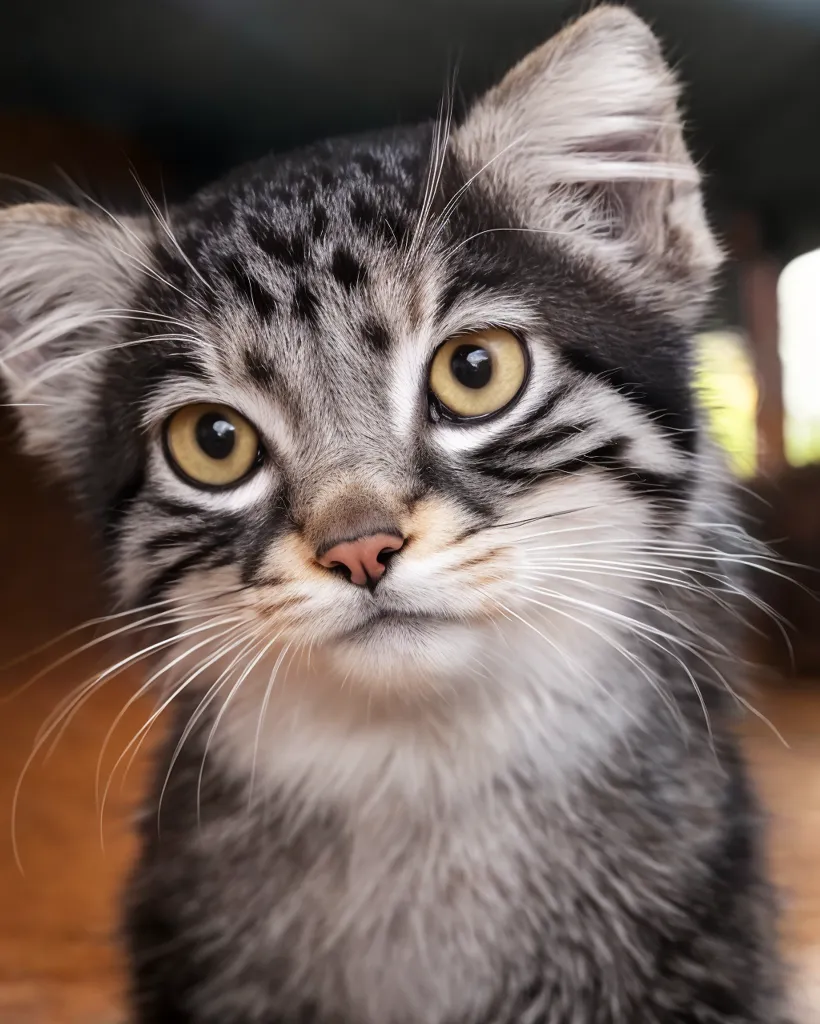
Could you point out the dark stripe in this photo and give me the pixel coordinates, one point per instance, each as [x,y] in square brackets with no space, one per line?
[171,507]
[540,412]
[247,288]
[481,280]
[289,250]
[121,505]
[375,334]
[393,227]
[269,523]
[172,573]
[546,442]
[369,165]
[670,405]
[522,430]
[173,539]
[604,453]
[363,213]
[318,222]
[647,484]
[347,270]
[227,556]
[388,226]
[305,303]
[259,367]
[608,456]
[607,452]
[440,477]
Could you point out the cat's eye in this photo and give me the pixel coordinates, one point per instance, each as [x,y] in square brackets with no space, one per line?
[211,445]
[478,374]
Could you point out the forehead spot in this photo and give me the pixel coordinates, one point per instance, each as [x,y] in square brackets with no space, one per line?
[247,288]
[388,224]
[259,367]
[289,250]
[318,222]
[376,335]
[305,305]
[363,213]
[369,165]
[307,190]
[348,271]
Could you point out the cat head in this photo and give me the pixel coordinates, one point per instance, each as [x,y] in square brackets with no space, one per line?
[387,400]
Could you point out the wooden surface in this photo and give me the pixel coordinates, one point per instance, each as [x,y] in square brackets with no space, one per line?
[58,954]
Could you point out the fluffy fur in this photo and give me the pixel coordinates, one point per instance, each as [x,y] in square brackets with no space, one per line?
[502,788]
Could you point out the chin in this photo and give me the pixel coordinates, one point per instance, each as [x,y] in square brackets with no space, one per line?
[412,654]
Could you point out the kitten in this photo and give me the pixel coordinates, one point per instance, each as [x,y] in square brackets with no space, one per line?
[401,454]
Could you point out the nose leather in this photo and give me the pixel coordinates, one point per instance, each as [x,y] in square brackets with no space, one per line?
[361,556]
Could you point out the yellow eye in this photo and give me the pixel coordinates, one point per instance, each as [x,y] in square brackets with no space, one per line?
[478,374]
[211,445]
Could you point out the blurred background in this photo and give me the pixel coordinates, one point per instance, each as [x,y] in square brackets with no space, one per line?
[96,94]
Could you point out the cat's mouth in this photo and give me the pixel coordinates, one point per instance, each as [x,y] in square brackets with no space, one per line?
[389,622]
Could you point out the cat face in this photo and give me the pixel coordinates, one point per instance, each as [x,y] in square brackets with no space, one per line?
[391,402]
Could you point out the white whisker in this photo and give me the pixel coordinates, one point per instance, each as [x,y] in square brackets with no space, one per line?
[60,724]
[136,741]
[262,712]
[166,229]
[146,686]
[243,675]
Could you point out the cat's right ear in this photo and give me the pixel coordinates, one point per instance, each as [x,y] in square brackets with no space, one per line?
[66,277]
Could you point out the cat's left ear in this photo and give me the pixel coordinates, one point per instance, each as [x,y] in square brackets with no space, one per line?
[65,276]
[583,141]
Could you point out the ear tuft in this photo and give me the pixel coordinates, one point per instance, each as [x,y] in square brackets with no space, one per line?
[63,275]
[583,140]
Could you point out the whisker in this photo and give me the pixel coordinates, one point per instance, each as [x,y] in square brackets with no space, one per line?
[692,574]
[552,232]
[67,363]
[649,633]
[86,691]
[166,229]
[634,599]
[609,613]
[101,620]
[170,617]
[563,654]
[262,712]
[135,743]
[144,688]
[247,644]
[176,690]
[438,153]
[443,217]
[556,515]
[632,658]
[234,689]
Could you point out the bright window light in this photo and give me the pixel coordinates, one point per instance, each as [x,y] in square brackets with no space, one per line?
[726,382]
[798,294]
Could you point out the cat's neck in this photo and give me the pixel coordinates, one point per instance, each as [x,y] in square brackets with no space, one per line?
[349,745]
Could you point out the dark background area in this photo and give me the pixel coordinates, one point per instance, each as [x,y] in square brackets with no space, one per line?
[93,92]
[204,84]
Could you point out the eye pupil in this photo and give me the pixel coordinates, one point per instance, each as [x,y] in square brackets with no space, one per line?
[472,366]
[215,435]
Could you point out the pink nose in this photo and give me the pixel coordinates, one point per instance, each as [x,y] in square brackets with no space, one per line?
[361,556]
